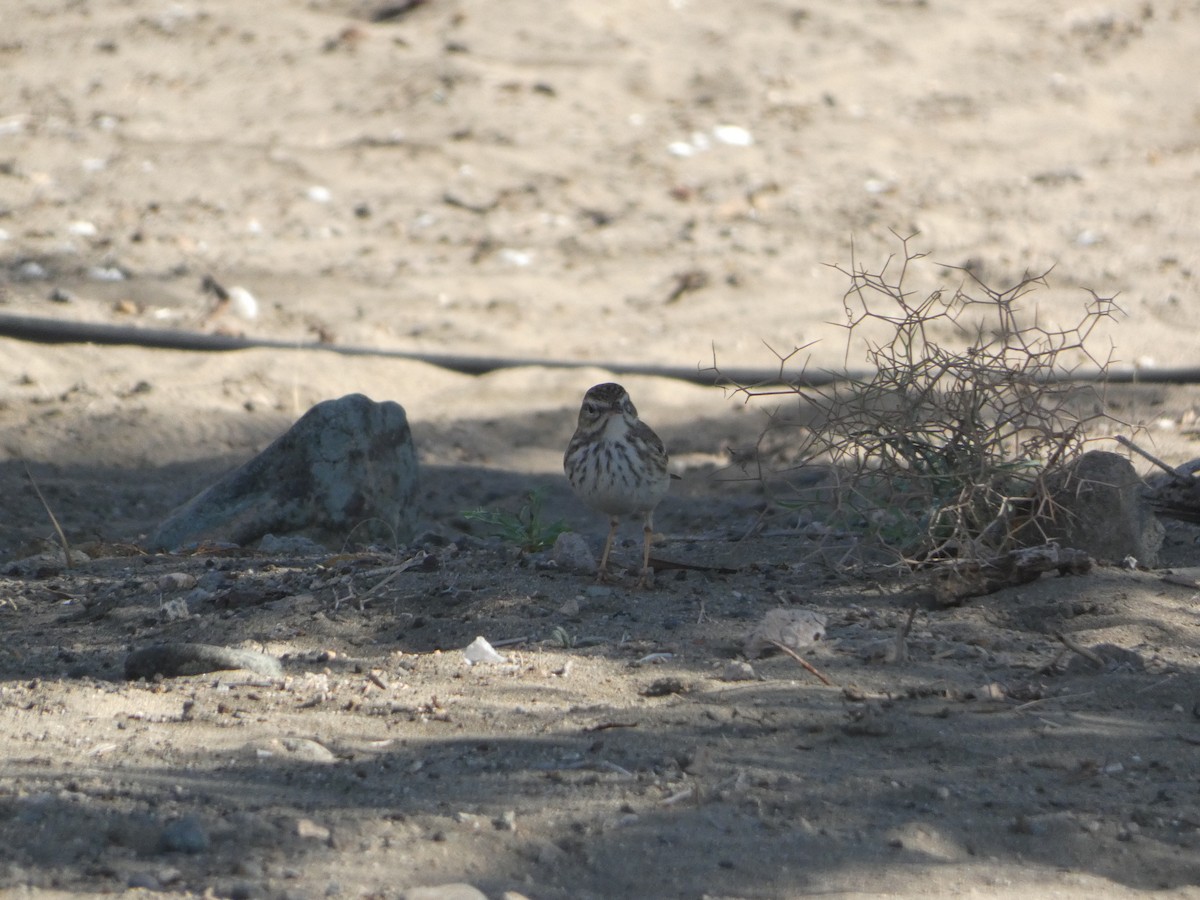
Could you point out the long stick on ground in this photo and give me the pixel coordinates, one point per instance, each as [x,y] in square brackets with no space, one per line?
[807,665]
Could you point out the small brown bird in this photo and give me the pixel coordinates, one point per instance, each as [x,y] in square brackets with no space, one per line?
[617,465]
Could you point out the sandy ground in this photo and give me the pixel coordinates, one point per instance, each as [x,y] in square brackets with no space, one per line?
[616,184]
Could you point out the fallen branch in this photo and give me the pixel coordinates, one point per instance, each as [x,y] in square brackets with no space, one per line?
[956,580]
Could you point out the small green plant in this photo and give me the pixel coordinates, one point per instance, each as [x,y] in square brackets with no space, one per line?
[526,527]
[937,449]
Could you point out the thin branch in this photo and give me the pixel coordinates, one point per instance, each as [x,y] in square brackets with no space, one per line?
[62,537]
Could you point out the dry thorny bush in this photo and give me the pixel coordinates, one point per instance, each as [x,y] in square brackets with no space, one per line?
[938,448]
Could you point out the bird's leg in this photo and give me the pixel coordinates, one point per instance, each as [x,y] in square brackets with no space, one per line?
[648,535]
[612,533]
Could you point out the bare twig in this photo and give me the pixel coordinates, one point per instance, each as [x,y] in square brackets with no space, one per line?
[1175,476]
[900,653]
[62,537]
[803,662]
[1076,647]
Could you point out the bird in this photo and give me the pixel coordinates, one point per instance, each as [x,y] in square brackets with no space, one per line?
[617,465]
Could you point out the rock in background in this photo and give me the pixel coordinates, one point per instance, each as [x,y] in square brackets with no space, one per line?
[346,469]
[1099,509]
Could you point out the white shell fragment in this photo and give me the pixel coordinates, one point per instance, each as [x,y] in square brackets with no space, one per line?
[318,193]
[729,135]
[480,651]
[733,135]
[796,629]
[242,302]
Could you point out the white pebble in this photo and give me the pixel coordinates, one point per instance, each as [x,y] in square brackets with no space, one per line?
[520,258]
[105,273]
[733,135]
[81,228]
[319,194]
[31,271]
[243,303]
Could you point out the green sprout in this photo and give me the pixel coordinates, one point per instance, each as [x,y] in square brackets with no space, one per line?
[526,527]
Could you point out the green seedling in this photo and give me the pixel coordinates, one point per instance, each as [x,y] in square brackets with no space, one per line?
[527,527]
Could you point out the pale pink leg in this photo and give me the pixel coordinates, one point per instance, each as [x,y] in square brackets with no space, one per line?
[648,534]
[612,533]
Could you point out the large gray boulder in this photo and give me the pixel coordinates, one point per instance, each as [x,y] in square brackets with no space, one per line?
[346,469]
[1097,506]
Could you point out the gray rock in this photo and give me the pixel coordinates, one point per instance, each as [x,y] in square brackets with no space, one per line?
[174,660]
[347,468]
[572,554]
[1098,507]
[185,835]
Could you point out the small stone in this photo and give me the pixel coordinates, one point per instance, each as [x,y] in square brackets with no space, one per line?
[307,828]
[480,651]
[738,670]
[185,835]
[571,553]
[454,891]
[175,610]
[296,749]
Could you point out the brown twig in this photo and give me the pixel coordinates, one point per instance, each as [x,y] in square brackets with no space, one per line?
[901,652]
[62,537]
[1179,479]
[1087,654]
[803,662]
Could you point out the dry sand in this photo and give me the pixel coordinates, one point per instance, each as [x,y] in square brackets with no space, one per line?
[614,184]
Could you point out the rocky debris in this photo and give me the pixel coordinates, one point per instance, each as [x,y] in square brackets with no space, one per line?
[1096,506]
[173,660]
[346,469]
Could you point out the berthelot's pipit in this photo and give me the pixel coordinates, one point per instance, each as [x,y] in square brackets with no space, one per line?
[617,465]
